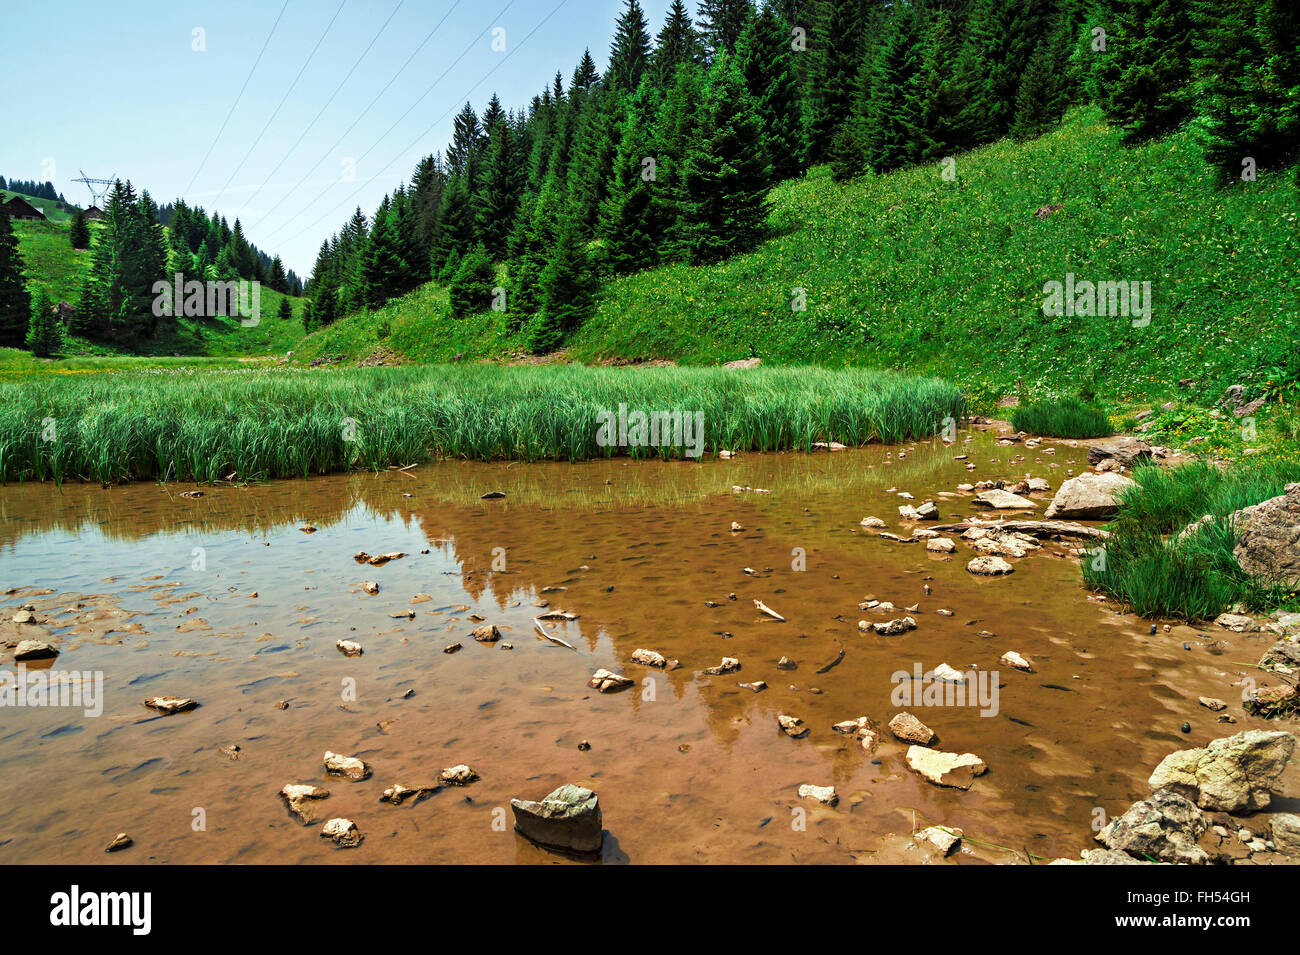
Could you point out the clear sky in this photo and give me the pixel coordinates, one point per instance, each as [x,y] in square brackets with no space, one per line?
[121,89]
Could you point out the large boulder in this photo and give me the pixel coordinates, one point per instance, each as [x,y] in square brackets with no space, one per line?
[1268,537]
[1088,497]
[569,818]
[1123,449]
[1164,827]
[1231,774]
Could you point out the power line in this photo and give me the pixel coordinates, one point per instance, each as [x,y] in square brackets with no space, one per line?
[279,105]
[319,114]
[238,98]
[422,135]
[325,155]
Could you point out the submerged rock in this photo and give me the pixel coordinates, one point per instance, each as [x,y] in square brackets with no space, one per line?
[458,775]
[488,633]
[893,628]
[349,648]
[120,841]
[649,658]
[34,650]
[909,729]
[607,682]
[1088,497]
[299,798]
[1003,500]
[823,794]
[347,766]
[398,794]
[942,838]
[568,818]
[343,833]
[1165,827]
[728,665]
[1231,774]
[170,704]
[957,770]
[792,726]
[989,566]
[1015,661]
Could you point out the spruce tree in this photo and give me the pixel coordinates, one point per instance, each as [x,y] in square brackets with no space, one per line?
[630,52]
[630,220]
[767,61]
[1042,99]
[1149,67]
[726,173]
[721,22]
[79,231]
[568,293]
[677,43]
[284,311]
[892,121]
[835,48]
[45,331]
[15,304]
[471,287]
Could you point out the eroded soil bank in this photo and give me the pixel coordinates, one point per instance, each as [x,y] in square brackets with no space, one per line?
[226,600]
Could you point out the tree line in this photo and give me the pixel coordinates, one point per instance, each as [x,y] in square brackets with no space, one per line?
[30,187]
[670,154]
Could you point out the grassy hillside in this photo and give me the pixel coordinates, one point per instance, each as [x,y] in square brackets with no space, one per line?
[50,261]
[909,270]
[54,210]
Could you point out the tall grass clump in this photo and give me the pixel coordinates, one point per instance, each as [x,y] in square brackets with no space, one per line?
[171,425]
[1062,418]
[1153,567]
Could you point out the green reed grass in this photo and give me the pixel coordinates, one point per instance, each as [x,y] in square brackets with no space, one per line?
[257,424]
[1062,418]
[1149,567]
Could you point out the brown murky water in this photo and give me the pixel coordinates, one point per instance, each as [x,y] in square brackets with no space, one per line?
[224,599]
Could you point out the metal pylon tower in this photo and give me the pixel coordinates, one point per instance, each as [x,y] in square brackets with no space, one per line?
[96,195]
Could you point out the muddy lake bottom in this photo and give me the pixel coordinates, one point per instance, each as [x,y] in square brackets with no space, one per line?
[226,600]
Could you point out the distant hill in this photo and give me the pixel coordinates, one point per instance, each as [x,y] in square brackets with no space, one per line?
[908,270]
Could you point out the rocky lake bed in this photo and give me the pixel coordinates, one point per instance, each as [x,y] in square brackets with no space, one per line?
[882,654]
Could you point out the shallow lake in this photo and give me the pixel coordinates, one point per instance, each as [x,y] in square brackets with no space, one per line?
[226,600]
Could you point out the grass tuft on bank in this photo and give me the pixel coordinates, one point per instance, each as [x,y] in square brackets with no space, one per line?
[1155,570]
[275,423]
[1062,418]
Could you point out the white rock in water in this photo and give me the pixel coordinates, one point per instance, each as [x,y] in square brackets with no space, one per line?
[942,838]
[1088,497]
[893,628]
[957,770]
[649,658]
[1004,500]
[607,682]
[792,726]
[349,648]
[872,522]
[343,833]
[348,766]
[909,729]
[948,675]
[170,704]
[728,665]
[1015,661]
[298,797]
[940,545]
[459,775]
[989,566]
[823,794]
[34,650]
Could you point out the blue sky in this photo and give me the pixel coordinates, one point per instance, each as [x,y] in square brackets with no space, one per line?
[119,89]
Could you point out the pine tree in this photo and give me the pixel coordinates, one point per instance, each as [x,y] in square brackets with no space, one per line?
[726,172]
[15,304]
[892,121]
[835,47]
[630,52]
[568,293]
[1249,84]
[471,288]
[277,280]
[1149,67]
[941,90]
[455,231]
[767,62]
[382,268]
[1043,96]
[79,232]
[585,75]
[630,220]
[676,131]
[499,192]
[677,43]
[721,22]
[45,331]
[284,311]
[117,298]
